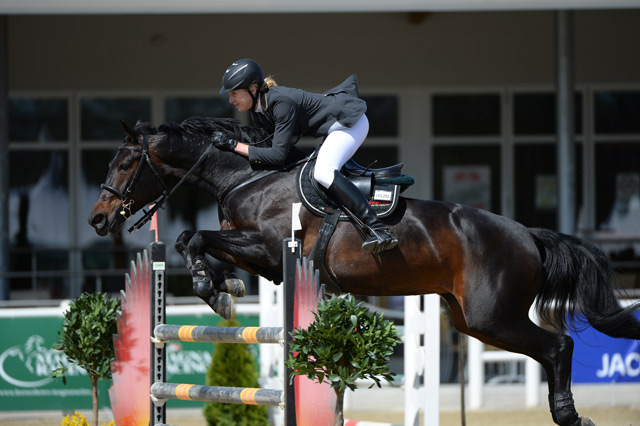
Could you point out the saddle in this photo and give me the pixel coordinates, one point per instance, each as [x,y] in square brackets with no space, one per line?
[381,187]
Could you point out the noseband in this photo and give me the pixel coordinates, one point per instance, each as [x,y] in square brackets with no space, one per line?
[124,211]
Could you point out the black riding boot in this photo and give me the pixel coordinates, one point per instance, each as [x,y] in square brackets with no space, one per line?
[346,194]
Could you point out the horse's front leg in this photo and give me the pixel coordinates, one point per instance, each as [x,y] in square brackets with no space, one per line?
[250,250]
[214,291]
[244,248]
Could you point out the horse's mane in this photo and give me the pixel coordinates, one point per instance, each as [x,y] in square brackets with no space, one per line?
[197,127]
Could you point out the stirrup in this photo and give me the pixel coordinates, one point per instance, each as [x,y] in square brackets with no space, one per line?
[380,241]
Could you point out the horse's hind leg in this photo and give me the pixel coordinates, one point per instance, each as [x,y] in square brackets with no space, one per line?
[517,333]
[554,352]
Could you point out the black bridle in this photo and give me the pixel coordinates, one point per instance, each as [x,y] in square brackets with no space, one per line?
[124,212]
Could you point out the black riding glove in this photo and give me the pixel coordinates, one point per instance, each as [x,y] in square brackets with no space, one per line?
[222,142]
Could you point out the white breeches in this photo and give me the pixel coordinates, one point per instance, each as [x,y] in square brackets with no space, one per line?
[337,148]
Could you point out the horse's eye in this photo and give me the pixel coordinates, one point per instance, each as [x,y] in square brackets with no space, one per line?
[124,166]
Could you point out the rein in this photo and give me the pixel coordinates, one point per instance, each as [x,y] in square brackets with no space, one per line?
[125,209]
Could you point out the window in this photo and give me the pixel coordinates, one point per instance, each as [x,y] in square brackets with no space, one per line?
[617,179]
[535,114]
[618,186]
[38,120]
[468,174]
[617,112]
[536,184]
[100,117]
[382,112]
[181,108]
[466,115]
[38,223]
[617,157]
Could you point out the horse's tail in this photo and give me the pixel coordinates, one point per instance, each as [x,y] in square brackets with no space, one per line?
[579,280]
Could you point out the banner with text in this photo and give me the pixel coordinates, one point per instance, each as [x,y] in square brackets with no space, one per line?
[600,358]
[27,359]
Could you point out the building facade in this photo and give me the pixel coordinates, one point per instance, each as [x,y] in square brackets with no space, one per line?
[465,99]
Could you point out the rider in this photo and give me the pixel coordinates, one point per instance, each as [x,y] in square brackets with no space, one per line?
[338,115]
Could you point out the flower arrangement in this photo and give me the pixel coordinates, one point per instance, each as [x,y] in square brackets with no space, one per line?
[80,420]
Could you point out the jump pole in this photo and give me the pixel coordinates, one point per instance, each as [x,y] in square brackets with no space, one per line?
[158,316]
[161,332]
[422,359]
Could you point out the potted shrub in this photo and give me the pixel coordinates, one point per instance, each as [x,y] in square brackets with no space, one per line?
[87,339]
[345,342]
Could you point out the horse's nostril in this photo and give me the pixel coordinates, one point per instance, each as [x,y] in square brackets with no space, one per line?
[97,218]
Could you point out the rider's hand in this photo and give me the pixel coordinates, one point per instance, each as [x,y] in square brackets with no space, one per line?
[223,142]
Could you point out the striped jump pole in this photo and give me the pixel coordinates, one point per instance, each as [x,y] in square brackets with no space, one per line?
[161,333]
[227,395]
[192,333]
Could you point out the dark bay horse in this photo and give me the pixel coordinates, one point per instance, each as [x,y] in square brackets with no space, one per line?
[488,268]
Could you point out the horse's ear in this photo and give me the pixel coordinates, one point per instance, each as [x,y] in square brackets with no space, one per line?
[129,132]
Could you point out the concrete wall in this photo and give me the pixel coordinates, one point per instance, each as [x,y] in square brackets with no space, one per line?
[315,50]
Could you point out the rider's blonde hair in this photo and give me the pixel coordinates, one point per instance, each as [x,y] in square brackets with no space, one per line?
[269,81]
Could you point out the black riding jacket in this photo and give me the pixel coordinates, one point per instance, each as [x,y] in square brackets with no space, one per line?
[290,113]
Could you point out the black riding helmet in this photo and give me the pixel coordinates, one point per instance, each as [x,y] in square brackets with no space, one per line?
[241,75]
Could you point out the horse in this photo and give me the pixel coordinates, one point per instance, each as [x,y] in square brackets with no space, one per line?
[489,269]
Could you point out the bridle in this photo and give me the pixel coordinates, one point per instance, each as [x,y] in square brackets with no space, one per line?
[124,211]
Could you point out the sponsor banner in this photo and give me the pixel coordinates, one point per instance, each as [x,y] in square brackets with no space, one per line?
[26,362]
[598,358]
[27,359]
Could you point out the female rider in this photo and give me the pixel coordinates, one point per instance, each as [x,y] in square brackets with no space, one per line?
[337,115]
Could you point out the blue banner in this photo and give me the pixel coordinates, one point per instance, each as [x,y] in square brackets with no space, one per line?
[598,358]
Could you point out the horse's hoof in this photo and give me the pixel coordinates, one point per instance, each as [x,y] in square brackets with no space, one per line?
[230,283]
[586,421]
[223,306]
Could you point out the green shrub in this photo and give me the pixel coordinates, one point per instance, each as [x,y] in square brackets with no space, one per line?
[87,339]
[346,342]
[233,364]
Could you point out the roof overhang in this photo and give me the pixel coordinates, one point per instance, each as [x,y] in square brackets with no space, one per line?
[19,7]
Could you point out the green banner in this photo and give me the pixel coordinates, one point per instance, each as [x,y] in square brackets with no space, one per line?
[27,359]
[26,362]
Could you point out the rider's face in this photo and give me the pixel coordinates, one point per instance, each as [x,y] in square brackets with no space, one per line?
[241,99]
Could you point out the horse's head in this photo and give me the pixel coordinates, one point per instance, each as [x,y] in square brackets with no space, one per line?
[132,182]
[137,174]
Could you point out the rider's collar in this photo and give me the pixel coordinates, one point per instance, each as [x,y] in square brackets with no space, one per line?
[261,105]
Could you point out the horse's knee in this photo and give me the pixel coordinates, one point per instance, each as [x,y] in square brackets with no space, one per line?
[183,241]
[195,244]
